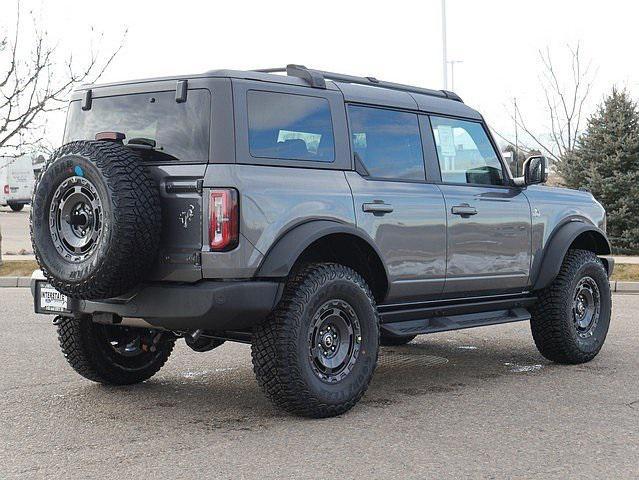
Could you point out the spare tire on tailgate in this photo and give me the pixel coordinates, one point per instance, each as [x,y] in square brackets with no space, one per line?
[95,220]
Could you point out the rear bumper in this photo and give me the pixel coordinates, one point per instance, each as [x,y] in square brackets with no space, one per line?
[210,305]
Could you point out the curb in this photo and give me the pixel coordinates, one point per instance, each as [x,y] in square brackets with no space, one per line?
[25,282]
[9,281]
[22,282]
[625,287]
[13,282]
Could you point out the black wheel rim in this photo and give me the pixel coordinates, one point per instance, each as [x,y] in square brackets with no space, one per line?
[586,307]
[75,218]
[334,341]
[126,342]
[129,348]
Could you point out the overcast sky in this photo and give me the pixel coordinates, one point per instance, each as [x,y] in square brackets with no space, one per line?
[497,40]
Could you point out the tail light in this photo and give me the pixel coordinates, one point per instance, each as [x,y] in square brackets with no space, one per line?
[6,189]
[224,221]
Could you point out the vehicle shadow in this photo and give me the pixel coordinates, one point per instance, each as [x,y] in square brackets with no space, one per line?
[229,399]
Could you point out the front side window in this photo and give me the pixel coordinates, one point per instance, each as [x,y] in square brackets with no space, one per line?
[465,152]
[293,127]
[386,143]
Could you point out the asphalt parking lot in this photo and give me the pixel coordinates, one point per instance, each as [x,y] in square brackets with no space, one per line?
[478,403]
[15,231]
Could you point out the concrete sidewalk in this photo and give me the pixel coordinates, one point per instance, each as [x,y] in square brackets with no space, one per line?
[626,260]
[16,258]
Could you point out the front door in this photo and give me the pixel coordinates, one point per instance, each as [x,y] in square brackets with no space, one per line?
[488,221]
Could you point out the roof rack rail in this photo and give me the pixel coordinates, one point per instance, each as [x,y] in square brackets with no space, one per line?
[317,79]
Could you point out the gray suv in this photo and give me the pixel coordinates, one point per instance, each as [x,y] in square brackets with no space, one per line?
[313,215]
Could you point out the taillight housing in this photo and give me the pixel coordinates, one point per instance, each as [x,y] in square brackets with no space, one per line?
[6,189]
[224,222]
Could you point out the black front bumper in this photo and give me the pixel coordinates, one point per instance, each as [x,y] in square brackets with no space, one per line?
[210,305]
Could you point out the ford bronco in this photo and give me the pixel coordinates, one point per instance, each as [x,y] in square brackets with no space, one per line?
[311,214]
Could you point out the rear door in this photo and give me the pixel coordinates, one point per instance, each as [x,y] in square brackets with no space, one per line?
[489,221]
[393,202]
[179,131]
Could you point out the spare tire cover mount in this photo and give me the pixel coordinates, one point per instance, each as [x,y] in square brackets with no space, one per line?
[75,218]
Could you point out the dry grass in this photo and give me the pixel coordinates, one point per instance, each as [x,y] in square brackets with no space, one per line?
[624,271]
[24,268]
[18,268]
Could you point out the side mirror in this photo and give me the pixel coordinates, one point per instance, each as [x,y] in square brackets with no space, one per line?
[535,170]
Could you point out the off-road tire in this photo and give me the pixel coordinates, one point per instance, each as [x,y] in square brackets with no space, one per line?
[85,350]
[394,341]
[16,207]
[280,350]
[128,242]
[553,326]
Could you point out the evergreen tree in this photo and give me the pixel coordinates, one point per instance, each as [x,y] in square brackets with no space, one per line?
[606,162]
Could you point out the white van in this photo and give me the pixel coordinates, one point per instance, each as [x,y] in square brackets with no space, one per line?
[16,181]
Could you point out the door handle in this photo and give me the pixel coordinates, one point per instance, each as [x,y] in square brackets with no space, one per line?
[464,210]
[378,208]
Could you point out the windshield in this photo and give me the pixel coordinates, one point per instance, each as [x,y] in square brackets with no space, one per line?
[180,130]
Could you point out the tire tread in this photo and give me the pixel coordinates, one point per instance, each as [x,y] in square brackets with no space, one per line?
[275,363]
[136,228]
[550,329]
[76,336]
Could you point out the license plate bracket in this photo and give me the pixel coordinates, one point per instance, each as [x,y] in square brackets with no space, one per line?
[49,300]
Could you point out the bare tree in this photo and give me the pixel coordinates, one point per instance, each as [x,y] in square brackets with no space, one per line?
[564,102]
[36,79]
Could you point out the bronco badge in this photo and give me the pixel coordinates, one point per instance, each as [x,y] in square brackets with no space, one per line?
[186,216]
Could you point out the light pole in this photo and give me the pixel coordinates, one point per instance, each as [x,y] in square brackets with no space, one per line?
[444,54]
[516,140]
[452,72]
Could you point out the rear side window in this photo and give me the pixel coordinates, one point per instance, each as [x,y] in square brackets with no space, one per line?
[292,127]
[465,152]
[386,143]
[180,130]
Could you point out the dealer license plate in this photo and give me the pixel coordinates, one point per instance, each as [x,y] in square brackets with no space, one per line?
[51,300]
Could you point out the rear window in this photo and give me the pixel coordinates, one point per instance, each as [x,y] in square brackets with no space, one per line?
[386,143]
[180,130]
[292,127]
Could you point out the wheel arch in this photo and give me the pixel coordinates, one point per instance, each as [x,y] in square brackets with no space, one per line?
[327,240]
[573,234]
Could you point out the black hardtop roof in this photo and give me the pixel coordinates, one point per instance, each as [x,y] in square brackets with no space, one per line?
[355,89]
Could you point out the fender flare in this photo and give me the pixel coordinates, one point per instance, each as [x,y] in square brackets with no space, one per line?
[557,246]
[279,260]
